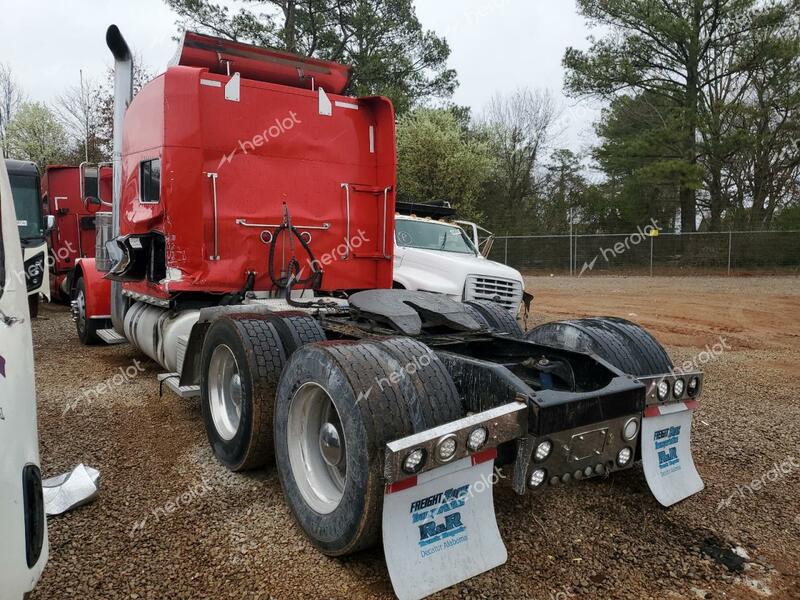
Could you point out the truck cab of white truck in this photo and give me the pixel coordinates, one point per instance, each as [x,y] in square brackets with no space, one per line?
[33,228]
[438,255]
[23,527]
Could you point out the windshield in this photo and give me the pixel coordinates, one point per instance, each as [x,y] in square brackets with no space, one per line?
[25,189]
[432,235]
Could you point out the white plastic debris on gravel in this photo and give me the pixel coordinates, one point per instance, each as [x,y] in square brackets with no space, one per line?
[70,490]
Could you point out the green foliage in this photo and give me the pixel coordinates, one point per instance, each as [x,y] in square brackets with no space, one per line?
[34,133]
[439,161]
[788,219]
[703,97]
[640,153]
[391,54]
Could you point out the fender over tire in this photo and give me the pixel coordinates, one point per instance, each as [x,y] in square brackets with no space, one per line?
[87,328]
[625,345]
[497,317]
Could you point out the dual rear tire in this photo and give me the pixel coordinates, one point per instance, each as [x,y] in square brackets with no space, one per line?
[624,344]
[323,412]
[242,360]
[331,469]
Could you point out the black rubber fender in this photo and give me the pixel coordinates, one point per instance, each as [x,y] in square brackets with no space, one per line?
[498,318]
[622,343]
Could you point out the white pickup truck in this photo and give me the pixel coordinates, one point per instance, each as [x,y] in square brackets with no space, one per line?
[439,256]
[23,527]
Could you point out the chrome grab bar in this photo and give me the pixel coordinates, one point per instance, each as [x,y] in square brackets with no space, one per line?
[385,198]
[386,191]
[244,223]
[81,187]
[346,187]
[213,177]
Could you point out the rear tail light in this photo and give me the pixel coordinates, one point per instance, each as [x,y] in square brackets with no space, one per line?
[34,513]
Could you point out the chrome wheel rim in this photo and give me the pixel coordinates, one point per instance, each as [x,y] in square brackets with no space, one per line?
[317,448]
[81,310]
[225,393]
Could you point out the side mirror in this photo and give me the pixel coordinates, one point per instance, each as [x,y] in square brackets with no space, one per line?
[49,223]
[92,204]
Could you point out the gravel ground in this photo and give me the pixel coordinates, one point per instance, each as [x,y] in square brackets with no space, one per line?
[170,522]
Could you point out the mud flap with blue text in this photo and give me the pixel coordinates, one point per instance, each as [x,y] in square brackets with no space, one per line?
[667,452]
[439,527]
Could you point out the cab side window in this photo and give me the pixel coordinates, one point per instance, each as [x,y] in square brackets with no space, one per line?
[150,181]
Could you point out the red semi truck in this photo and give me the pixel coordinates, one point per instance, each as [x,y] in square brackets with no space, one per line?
[66,191]
[249,250]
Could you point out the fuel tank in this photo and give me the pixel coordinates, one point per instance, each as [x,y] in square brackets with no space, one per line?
[155,332]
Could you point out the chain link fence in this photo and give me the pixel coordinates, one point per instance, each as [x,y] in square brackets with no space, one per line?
[732,253]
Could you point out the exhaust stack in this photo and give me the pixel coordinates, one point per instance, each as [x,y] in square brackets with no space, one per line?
[123,94]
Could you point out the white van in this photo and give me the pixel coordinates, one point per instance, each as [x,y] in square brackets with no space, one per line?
[23,526]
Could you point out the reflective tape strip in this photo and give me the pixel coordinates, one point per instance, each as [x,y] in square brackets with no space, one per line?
[655,411]
[210,83]
[484,456]
[403,484]
[464,463]
[348,105]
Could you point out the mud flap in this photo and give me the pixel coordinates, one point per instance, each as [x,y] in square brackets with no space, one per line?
[439,528]
[667,452]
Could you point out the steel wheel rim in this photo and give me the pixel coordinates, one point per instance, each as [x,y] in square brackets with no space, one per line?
[225,395]
[312,420]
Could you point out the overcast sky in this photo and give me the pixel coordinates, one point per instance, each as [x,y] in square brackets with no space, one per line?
[497,46]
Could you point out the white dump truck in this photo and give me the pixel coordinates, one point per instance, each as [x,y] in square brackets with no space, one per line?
[435,253]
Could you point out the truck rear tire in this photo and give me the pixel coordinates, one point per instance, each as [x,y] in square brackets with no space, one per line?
[297,331]
[498,318]
[33,305]
[87,328]
[241,363]
[625,345]
[338,405]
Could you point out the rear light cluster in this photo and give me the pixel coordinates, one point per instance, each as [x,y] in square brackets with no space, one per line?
[446,449]
[539,475]
[677,388]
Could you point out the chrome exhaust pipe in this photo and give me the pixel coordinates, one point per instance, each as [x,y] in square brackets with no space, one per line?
[123,94]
